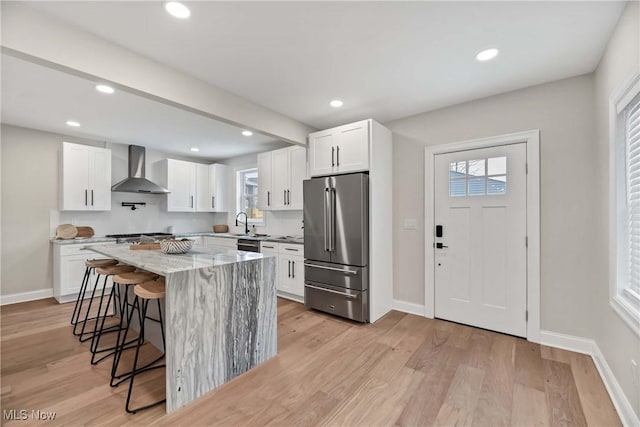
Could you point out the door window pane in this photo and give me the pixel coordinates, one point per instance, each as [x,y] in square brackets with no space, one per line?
[458,187]
[497,166]
[497,185]
[476,186]
[476,167]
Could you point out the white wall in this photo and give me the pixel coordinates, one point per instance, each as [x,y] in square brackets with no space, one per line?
[563,112]
[30,202]
[618,342]
[287,223]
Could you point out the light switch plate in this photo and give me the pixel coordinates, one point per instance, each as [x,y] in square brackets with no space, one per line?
[410,224]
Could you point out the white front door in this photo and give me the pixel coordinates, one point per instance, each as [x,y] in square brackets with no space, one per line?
[481,256]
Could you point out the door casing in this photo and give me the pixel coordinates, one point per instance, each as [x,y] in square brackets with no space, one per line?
[532,140]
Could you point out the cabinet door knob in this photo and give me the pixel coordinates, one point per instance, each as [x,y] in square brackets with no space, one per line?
[86,197]
[333,163]
[268,198]
[338,156]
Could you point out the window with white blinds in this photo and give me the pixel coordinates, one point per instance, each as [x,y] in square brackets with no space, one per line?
[632,142]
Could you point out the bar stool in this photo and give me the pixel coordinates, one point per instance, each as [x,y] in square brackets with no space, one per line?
[101,317]
[144,293]
[125,280]
[90,265]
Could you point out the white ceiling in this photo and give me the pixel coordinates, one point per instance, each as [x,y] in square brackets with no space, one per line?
[386,60]
[42,98]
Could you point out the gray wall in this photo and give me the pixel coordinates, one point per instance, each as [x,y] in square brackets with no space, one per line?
[618,342]
[563,112]
[29,192]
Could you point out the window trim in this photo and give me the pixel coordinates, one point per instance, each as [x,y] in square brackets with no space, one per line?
[623,301]
[238,196]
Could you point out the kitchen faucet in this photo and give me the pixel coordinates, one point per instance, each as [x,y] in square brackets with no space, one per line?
[246,222]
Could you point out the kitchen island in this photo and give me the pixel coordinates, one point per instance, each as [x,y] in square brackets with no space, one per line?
[220,314]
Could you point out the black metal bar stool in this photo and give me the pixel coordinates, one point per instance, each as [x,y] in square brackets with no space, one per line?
[90,265]
[144,293]
[98,327]
[123,282]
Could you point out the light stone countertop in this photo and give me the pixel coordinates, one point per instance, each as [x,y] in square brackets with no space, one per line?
[78,241]
[160,263]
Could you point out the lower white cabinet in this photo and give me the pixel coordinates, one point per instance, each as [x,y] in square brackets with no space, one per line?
[289,268]
[68,270]
[220,242]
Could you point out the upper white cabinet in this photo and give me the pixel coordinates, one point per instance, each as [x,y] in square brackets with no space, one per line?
[218,188]
[211,188]
[181,181]
[196,187]
[280,175]
[341,149]
[265,189]
[85,178]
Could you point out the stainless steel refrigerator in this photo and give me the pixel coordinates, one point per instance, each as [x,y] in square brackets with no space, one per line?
[336,245]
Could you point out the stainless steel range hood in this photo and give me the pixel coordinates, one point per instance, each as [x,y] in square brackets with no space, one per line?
[136,182]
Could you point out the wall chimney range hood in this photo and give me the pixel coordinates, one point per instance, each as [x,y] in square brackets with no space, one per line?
[136,182]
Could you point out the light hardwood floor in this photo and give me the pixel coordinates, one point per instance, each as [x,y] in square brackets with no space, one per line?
[403,370]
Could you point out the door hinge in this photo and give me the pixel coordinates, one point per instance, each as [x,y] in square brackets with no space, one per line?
[526,241]
[526,315]
[526,168]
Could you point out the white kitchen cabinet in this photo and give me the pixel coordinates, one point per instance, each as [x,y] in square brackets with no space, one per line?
[203,203]
[288,170]
[265,188]
[289,268]
[280,178]
[196,187]
[68,270]
[181,178]
[225,242]
[217,198]
[342,149]
[85,178]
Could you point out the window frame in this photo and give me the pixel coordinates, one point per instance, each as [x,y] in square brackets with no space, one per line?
[239,173]
[622,298]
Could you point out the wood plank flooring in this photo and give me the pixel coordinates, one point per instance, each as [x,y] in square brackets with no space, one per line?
[404,370]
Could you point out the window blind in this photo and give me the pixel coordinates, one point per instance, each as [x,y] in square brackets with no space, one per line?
[632,136]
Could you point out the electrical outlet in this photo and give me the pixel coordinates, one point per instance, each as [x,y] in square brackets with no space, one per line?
[410,224]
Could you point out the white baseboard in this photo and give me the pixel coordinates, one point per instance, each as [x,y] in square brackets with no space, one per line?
[408,307]
[590,347]
[26,296]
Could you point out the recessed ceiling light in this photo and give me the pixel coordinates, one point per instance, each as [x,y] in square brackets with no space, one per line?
[177,9]
[104,89]
[247,133]
[487,54]
[194,149]
[336,103]
[73,123]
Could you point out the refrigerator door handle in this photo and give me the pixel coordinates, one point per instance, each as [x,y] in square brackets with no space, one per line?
[326,218]
[322,267]
[331,291]
[332,230]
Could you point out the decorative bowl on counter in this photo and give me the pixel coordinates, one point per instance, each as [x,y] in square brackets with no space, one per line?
[172,246]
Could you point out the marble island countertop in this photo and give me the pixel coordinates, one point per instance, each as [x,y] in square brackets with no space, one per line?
[158,262]
[268,238]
